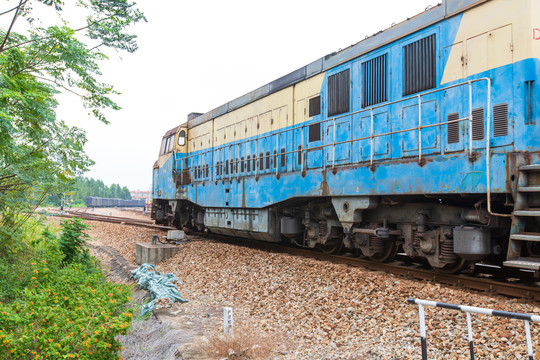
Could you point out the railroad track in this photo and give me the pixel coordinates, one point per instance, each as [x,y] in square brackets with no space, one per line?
[116,220]
[415,271]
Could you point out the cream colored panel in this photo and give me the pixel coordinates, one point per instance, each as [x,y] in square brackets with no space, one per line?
[274,121]
[456,61]
[251,125]
[229,133]
[476,54]
[239,130]
[301,111]
[265,122]
[534,32]
[499,48]
[219,137]
[498,14]
[281,117]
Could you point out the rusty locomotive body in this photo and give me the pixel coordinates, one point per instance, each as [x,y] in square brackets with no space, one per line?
[422,138]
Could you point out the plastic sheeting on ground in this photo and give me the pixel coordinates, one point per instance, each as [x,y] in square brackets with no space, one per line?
[159,286]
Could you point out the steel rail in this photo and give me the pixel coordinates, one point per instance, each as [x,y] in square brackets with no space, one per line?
[117,220]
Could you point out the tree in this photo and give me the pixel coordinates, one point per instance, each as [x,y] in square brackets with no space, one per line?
[38,152]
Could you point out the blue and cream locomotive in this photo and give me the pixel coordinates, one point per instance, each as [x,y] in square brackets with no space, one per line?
[422,138]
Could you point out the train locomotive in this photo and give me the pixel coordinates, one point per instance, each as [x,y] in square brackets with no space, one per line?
[423,139]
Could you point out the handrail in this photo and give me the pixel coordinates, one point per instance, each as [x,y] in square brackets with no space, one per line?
[468,310]
[371,136]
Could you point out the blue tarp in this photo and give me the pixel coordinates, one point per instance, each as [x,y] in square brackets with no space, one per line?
[159,286]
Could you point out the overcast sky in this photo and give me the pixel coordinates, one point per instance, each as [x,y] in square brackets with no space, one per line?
[196,55]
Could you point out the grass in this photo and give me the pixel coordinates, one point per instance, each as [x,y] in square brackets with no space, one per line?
[246,343]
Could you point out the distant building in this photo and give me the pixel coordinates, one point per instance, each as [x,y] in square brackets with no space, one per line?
[140,194]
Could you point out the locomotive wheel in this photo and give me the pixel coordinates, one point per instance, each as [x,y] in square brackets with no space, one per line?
[332,246]
[390,251]
[455,267]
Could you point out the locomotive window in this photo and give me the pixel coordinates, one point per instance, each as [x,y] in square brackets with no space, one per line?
[299,154]
[419,65]
[248,163]
[275,159]
[261,161]
[163,146]
[182,138]
[254,162]
[282,160]
[226,167]
[268,159]
[374,82]
[315,132]
[338,93]
[242,164]
[207,171]
[236,165]
[171,141]
[315,106]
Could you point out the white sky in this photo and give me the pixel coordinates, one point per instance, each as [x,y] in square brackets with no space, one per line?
[196,55]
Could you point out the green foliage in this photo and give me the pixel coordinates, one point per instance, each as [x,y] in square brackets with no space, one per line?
[50,308]
[85,187]
[39,153]
[72,242]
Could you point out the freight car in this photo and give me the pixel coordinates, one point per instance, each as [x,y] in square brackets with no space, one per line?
[423,138]
[92,201]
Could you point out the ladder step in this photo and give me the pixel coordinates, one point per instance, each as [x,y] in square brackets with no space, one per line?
[533,167]
[523,263]
[530,212]
[525,236]
[535,188]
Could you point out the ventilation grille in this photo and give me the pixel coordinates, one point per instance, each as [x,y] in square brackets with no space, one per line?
[478,124]
[338,93]
[453,129]
[374,81]
[419,65]
[500,120]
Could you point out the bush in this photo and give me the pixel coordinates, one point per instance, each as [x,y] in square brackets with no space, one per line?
[61,309]
[72,242]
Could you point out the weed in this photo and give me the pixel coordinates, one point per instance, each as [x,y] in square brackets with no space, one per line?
[246,343]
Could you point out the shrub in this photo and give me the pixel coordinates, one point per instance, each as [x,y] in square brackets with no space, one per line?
[72,242]
[60,309]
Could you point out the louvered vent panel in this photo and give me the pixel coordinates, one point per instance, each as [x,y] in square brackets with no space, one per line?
[453,129]
[374,81]
[419,59]
[338,93]
[478,124]
[500,120]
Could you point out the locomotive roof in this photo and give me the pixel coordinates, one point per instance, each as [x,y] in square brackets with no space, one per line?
[172,131]
[433,15]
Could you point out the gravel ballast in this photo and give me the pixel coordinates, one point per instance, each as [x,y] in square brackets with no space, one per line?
[325,310]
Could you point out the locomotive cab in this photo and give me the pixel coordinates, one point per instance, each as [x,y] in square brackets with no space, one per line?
[164,190]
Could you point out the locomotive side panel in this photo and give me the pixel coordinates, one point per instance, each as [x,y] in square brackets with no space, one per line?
[414,144]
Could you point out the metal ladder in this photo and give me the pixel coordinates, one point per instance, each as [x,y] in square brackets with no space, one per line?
[519,236]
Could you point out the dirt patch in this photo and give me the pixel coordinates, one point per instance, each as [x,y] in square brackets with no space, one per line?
[169,333]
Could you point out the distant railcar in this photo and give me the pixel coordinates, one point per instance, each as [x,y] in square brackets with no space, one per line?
[92,201]
[423,138]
